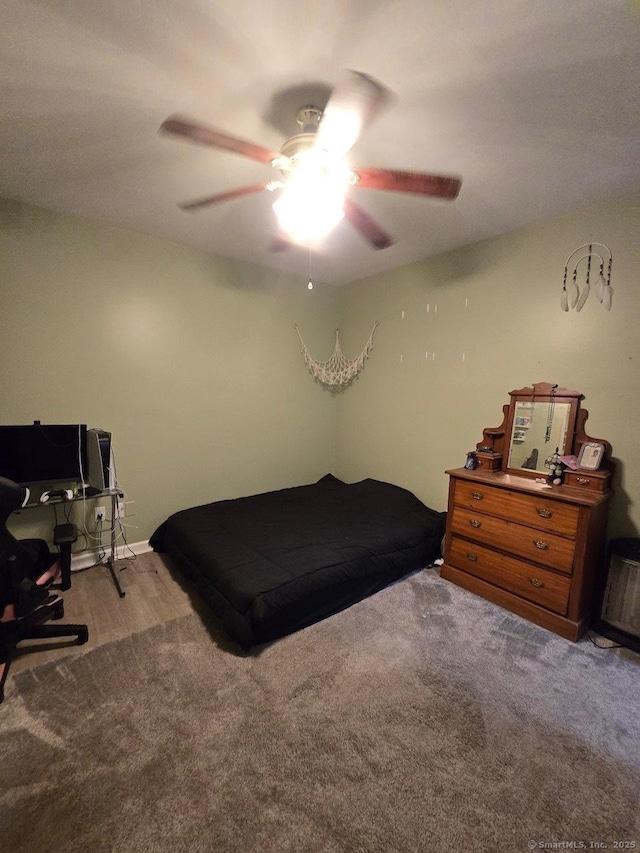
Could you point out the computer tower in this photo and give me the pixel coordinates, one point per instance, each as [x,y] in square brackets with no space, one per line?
[100,473]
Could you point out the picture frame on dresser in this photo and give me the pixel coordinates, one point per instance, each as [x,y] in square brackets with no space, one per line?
[591,454]
[533,548]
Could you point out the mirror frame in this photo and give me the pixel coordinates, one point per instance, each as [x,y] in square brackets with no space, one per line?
[540,392]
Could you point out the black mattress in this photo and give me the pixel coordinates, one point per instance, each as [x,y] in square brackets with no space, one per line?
[273,563]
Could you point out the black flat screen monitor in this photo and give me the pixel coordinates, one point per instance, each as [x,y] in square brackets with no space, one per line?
[43,453]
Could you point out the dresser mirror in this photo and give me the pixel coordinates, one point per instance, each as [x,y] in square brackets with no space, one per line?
[538,429]
[540,420]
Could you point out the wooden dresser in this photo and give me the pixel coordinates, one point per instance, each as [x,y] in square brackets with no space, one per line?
[534,549]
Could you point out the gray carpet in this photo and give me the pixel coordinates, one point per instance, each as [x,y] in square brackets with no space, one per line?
[422,719]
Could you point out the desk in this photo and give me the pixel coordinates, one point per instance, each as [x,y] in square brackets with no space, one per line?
[110,494]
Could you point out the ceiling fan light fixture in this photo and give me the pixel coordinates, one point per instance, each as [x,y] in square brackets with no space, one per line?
[308,218]
[312,202]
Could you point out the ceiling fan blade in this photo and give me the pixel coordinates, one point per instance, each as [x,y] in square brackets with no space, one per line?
[367,226]
[419,183]
[226,196]
[353,105]
[216,139]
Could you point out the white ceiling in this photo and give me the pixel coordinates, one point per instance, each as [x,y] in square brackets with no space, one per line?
[533,104]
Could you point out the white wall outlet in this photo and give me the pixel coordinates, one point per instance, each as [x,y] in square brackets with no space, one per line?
[100,514]
[124,509]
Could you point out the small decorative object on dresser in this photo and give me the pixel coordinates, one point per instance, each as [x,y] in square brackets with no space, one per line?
[533,548]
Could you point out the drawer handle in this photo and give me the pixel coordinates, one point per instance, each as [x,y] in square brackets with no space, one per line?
[471,556]
[545,513]
[535,582]
[540,545]
[477,496]
[474,523]
[583,481]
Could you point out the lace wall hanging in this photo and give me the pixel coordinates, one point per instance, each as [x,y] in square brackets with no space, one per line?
[338,371]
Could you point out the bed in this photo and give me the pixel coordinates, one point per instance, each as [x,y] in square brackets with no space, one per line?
[273,563]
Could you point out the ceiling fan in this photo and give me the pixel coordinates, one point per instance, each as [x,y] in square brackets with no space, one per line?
[314,175]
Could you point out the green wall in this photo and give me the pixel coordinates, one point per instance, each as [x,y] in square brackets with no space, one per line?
[478,323]
[193,364]
[191,361]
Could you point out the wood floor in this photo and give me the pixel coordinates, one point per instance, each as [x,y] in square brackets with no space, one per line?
[154,594]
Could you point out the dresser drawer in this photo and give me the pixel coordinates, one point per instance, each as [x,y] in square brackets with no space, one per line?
[540,512]
[595,481]
[538,585]
[539,545]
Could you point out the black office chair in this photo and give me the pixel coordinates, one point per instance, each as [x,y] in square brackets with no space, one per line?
[28,574]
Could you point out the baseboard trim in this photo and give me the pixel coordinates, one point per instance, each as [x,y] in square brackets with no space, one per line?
[88,558]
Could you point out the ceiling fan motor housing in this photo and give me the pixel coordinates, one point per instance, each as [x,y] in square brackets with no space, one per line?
[309,119]
[298,144]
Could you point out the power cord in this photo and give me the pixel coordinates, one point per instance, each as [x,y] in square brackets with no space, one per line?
[101,555]
[120,531]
